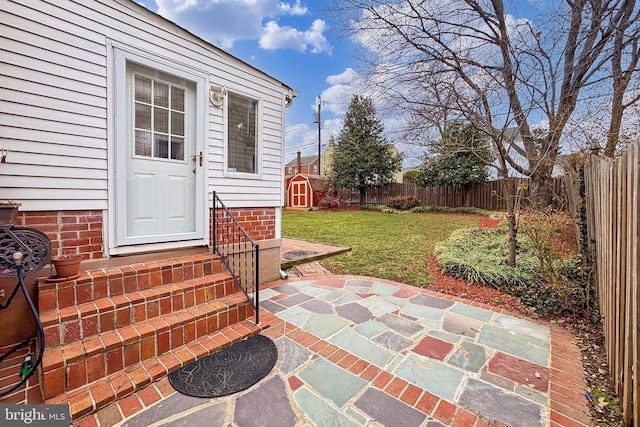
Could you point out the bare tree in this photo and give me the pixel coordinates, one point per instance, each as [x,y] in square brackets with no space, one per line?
[624,65]
[494,69]
[473,60]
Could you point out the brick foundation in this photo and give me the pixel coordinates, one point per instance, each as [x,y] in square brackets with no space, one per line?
[80,232]
[70,232]
[259,223]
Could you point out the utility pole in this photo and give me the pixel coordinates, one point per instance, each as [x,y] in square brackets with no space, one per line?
[319,101]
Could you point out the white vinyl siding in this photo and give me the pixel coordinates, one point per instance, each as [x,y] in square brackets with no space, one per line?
[57,89]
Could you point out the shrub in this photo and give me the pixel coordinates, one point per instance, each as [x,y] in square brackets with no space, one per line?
[568,277]
[329,200]
[403,203]
[479,256]
[466,210]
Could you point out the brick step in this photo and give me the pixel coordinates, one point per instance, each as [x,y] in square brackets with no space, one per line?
[96,284]
[69,366]
[69,324]
[113,386]
[112,331]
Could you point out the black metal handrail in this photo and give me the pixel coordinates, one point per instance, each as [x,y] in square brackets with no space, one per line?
[238,252]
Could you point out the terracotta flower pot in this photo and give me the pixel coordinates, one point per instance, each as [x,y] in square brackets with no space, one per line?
[8,214]
[66,265]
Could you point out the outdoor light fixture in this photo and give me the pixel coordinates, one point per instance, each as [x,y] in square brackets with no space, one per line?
[217,94]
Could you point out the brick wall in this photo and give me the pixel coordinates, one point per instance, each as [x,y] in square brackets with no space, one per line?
[70,232]
[304,169]
[80,232]
[260,223]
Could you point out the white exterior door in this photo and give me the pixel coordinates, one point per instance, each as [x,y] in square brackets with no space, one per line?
[160,162]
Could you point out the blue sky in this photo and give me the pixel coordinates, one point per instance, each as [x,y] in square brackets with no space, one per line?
[291,40]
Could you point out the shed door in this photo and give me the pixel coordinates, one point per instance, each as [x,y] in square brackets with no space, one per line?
[160,160]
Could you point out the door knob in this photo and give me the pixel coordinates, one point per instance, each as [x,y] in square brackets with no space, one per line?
[199,156]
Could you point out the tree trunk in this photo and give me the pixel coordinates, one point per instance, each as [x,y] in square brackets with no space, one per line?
[624,45]
[363,196]
[467,193]
[541,185]
[510,196]
[620,83]
[614,125]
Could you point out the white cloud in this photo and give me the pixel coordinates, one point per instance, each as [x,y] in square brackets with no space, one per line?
[332,127]
[223,22]
[316,38]
[277,37]
[347,76]
[337,97]
[304,137]
[296,130]
[295,9]
[335,102]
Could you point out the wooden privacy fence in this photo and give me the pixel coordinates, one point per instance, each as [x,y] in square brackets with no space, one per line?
[612,188]
[489,196]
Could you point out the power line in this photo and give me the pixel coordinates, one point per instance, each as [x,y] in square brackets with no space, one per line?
[299,147]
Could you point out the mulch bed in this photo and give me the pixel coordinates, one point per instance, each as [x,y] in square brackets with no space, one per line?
[471,291]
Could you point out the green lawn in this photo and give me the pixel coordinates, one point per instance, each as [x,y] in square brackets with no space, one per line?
[393,247]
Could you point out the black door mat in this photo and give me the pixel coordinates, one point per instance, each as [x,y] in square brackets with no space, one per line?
[227,371]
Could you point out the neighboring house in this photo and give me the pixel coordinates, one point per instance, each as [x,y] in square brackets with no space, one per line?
[327,156]
[119,125]
[399,178]
[302,164]
[307,191]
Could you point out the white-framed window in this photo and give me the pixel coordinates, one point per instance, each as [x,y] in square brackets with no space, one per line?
[242,133]
[289,170]
[315,168]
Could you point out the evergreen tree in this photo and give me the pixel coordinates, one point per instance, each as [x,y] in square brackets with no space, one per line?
[362,158]
[461,157]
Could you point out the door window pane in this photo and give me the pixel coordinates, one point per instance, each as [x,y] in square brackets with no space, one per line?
[177,98]
[143,116]
[161,120]
[143,90]
[159,117]
[161,94]
[143,143]
[177,148]
[161,147]
[177,123]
